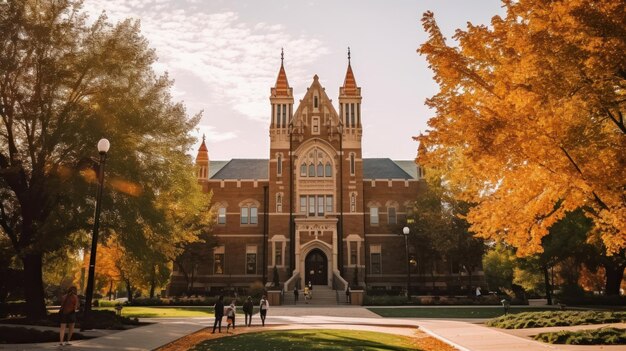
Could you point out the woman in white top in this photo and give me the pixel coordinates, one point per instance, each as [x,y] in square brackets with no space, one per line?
[263,307]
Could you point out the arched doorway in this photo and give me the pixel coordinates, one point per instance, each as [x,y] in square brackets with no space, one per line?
[316,268]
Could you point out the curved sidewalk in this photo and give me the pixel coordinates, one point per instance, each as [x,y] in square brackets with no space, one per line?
[464,335]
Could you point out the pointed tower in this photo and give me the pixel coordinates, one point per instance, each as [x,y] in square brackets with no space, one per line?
[421,152]
[281,99]
[350,104]
[202,161]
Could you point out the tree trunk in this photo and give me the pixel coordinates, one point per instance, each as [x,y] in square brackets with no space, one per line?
[33,287]
[614,275]
[153,282]
[546,281]
[129,291]
[110,293]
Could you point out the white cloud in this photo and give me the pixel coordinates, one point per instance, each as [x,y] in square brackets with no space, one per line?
[233,60]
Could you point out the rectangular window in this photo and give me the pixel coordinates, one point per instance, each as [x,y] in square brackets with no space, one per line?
[218,263]
[284,116]
[244,215]
[352,165]
[316,126]
[302,204]
[329,204]
[311,205]
[254,218]
[274,115]
[358,115]
[375,263]
[251,263]
[352,119]
[279,165]
[320,205]
[391,215]
[221,215]
[278,254]
[251,259]
[353,253]
[373,215]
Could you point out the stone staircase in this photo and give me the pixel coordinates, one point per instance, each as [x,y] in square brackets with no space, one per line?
[322,295]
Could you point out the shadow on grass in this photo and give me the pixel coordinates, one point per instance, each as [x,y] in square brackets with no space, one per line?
[310,340]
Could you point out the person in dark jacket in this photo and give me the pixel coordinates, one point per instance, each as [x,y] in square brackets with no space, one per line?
[219,313]
[248,308]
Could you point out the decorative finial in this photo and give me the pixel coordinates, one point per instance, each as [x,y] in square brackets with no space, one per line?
[203,137]
[348,55]
[282,56]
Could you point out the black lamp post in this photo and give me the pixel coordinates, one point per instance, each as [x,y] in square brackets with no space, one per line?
[405,231]
[103,148]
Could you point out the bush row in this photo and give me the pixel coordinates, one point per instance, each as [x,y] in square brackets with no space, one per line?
[602,336]
[21,335]
[555,319]
[370,300]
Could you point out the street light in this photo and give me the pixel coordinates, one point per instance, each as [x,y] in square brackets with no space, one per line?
[103,148]
[405,231]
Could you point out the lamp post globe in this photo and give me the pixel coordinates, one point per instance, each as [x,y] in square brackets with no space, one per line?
[103,145]
[405,232]
[103,148]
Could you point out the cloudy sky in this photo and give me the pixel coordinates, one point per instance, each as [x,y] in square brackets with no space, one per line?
[224,56]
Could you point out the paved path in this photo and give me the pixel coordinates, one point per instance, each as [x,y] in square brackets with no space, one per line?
[465,335]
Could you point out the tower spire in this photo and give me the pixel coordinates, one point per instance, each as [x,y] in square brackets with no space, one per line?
[348,56]
[282,56]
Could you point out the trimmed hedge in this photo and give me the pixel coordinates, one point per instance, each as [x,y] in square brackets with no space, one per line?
[602,336]
[99,320]
[555,319]
[21,335]
[387,300]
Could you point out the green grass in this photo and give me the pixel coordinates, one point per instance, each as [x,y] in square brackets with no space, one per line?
[161,312]
[603,336]
[168,312]
[323,339]
[556,319]
[449,312]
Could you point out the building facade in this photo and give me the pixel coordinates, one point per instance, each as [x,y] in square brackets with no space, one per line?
[316,210]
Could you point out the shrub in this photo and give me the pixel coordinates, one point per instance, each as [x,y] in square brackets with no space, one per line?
[602,336]
[555,319]
[20,335]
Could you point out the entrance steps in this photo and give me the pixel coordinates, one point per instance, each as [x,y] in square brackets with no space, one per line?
[322,295]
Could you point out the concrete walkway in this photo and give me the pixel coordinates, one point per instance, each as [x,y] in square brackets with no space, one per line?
[464,335]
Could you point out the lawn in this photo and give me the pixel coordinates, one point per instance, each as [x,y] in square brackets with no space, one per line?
[168,312]
[321,339]
[450,312]
[162,312]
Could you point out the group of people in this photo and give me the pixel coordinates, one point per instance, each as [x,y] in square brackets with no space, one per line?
[231,311]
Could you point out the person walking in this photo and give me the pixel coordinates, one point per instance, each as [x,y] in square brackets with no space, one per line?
[230,316]
[306,294]
[263,307]
[296,294]
[67,312]
[248,308]
[219,313]
[348,296]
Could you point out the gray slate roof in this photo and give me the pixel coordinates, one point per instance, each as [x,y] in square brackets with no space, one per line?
[373,168]
[242,169]
[383,168]
[409,167]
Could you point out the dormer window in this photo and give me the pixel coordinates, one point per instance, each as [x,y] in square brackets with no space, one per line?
[315,102]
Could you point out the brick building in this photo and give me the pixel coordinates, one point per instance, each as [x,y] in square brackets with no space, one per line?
[316,210]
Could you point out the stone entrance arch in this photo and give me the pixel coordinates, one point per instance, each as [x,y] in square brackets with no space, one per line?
[316,267]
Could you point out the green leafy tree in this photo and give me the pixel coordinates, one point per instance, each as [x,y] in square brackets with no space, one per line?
[498,265]
[64,85]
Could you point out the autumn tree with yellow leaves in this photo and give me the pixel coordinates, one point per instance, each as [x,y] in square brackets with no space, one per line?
[529,121]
